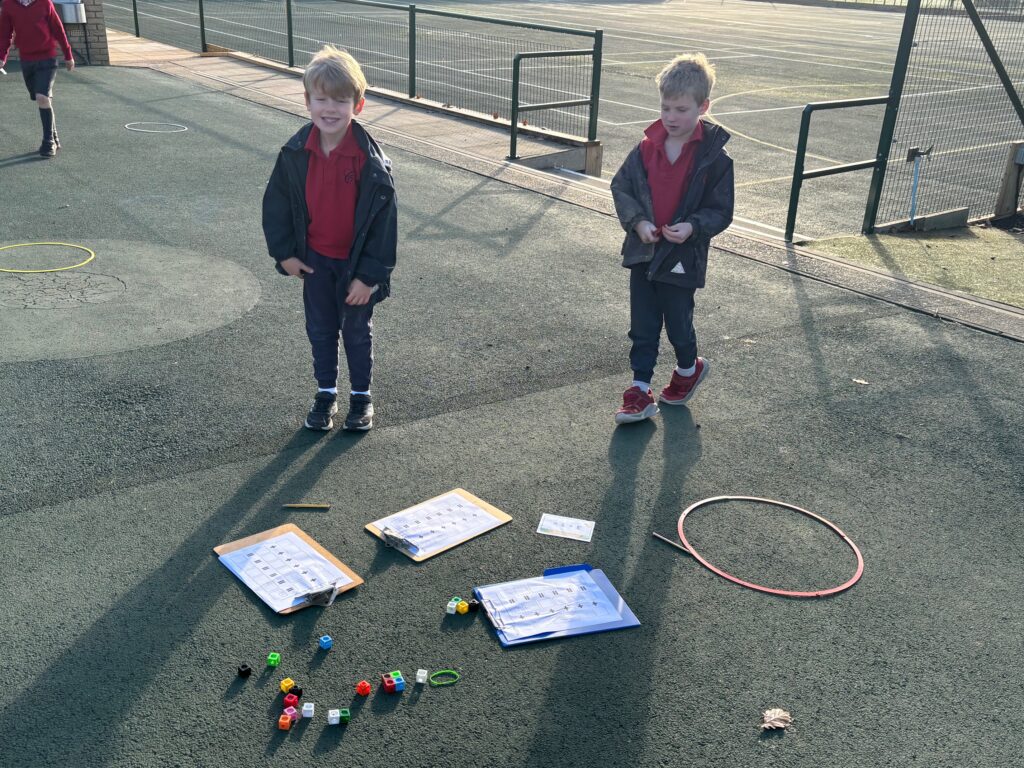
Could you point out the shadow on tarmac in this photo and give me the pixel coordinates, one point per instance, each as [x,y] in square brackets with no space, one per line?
[590,699]
[134,640]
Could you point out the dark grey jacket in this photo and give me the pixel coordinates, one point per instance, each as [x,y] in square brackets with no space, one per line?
[707,206]
[286,218]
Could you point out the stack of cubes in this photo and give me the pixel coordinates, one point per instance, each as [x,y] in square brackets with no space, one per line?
[393,682]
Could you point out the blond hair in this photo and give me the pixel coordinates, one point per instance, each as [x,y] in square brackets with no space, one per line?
[690,74]
[335,73]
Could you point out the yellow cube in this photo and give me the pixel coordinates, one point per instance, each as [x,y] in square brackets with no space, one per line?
[287,684]
[462,607]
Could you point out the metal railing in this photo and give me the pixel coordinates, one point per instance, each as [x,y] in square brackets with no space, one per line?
[800,175]
[454,59]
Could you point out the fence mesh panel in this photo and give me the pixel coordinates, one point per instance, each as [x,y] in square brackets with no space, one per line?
[954,101]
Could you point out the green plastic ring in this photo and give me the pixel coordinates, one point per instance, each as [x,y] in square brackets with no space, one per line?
[455,677]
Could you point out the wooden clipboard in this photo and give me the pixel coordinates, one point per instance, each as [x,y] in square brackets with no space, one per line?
[256,538]
[500,519]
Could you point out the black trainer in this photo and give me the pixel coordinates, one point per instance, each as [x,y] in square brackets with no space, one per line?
[360,413]
[47,149]
[325,405]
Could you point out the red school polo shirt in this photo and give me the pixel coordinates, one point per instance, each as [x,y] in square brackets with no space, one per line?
[668,181]
[332,188]
[38,27]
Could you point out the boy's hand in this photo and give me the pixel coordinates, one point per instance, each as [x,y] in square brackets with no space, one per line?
[677,233]
[70,64]
[359,293]
[295,267]
[647,232]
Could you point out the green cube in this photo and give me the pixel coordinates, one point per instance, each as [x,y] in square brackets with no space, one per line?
[345,715]
[273,659]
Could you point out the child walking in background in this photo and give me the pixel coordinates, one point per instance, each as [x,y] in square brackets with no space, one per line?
[673,193]
[330,218]
[38,32]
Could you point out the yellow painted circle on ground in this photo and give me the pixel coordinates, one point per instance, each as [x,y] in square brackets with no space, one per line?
[91,256]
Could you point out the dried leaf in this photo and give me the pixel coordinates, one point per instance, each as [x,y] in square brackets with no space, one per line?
[776,718]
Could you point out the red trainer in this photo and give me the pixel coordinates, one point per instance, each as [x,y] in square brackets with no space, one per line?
[637,405]
[681,388]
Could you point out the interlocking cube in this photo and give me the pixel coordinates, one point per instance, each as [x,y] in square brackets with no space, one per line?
[291,700]
[345,715]
[462,607]
[421,676]
[297,691]
[273,659]
[474,605]
[363,688]
[333,716]
[326,642]
[453,605]
[308,709]
[388,682]
[287,684]
[292,712]
[399,684]
[284,722]
[244,670]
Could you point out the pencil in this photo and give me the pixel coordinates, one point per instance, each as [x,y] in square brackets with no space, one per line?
[306,506]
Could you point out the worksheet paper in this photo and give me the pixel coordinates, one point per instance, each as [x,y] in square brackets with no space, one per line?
[284,570]
[439,523]
[534,606]
[566,527]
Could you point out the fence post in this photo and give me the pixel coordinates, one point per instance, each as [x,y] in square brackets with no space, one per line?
[291,37]
[595,84]
[412,51]
[515,107]
[202,28]
[135,15]
[798,172]
[892,109]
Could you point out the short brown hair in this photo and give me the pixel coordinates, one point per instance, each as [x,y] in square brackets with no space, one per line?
[690,74]
[335,73]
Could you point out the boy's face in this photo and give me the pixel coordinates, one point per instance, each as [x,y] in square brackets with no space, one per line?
[332,116]
[679,114]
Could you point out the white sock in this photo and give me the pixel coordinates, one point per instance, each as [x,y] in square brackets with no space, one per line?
[644,385]
[687,371]
[353,392]
[332,390]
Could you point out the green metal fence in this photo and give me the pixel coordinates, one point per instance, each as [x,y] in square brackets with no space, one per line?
[959,112]
[458,60]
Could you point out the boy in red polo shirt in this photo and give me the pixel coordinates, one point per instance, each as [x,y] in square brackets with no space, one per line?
[39,34]
[330,218]
[673,194]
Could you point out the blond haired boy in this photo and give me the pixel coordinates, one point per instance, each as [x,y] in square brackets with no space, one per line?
[673,193]
[330,218]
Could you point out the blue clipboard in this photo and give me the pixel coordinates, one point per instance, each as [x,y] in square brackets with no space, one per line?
[626,617]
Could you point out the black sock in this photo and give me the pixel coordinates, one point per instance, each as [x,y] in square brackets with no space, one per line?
[46,115]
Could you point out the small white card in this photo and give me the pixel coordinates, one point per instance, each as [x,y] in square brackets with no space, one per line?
[566,527]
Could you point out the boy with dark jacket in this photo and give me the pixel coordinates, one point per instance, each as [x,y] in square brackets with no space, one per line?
[330,218]
[673,194]
[39,34]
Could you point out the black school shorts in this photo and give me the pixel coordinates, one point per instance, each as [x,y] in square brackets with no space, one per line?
[39,77]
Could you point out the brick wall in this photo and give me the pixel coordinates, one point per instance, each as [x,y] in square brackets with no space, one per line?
[89,40]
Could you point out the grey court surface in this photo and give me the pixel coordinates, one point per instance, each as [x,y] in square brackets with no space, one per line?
[500,358]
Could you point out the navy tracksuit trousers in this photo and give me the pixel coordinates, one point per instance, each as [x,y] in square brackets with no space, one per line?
[328,317]
[653,305]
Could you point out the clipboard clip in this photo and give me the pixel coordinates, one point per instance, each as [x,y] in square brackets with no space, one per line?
[395,540]
[324,597]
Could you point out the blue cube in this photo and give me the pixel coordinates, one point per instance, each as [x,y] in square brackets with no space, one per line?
[400,684]
[326,642]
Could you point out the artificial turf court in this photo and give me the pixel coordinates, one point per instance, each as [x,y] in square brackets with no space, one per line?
[772,59]
[151,410]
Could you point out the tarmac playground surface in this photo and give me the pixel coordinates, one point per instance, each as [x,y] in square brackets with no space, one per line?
[152,405]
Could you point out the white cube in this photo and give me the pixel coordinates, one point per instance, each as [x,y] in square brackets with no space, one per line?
[421,676]
[452,605]
[333,716]
[308,708]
